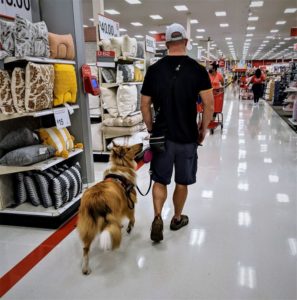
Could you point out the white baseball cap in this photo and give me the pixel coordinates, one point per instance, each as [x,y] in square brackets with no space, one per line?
[175,32]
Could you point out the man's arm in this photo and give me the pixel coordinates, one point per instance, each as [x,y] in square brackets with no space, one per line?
[146,102]
[207,115]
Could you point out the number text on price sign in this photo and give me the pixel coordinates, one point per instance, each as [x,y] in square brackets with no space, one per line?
[62,118]
[107,28]
[150,44]
[12,7]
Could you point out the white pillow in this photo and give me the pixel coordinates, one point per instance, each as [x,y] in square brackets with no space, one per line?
[129,46]
[93,101]
[136,138]
[105,45]
[109,99]
[96,131]
[116,45]
[126,99]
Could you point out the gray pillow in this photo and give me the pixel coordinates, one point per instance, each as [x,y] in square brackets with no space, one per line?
[7,32]
[139,87]
[20,194]
[27,155]
[31,188]
[21,137]
[108,75]
[140,50]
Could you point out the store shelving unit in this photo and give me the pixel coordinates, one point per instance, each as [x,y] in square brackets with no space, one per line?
[43,60]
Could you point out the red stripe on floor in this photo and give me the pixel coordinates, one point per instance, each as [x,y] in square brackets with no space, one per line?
[31,260]
[14,275]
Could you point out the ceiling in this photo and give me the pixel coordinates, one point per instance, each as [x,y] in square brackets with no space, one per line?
[274,45]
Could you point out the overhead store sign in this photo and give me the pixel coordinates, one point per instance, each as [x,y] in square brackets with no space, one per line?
[294,31]
[105,59]
[12,7]
[150,44]
[107,28]
[160,37]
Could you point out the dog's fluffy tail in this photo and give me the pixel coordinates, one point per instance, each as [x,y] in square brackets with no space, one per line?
[110,237]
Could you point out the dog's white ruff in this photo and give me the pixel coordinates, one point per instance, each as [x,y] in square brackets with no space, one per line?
[105,240]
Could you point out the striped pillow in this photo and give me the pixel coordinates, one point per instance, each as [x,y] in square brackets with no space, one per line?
[31,188]
[60,139]
[20,194]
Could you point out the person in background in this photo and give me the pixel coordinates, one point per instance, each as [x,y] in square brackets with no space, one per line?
[257,81]
[172,85]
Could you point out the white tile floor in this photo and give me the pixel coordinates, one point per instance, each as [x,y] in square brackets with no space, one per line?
[241,242]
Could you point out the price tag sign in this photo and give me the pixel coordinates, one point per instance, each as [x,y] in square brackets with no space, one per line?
[12,7]
[62,117]
[107,28]
[150,44]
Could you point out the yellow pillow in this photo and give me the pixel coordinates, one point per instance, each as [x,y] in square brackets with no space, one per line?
[60,139]
[65,88]
[138,74]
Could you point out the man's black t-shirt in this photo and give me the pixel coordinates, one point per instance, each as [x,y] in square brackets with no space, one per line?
[177,97]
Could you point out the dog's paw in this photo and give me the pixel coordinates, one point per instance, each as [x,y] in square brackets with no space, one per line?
[86,271]
[105,240]
[129,229]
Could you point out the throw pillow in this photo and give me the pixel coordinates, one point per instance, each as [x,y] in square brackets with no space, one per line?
[18,88]
[109,99]
[21,137]
[67,185]
[20,193]
[125,122]
[126,99]
[6,102]
[105,45]
[39,86]
[116,45]
[31,39]
[65,88]
[31,189]
[125,73]
[127,141]
[139,87]
[108,75]
[7,32]
[61,46]
[140,50]
[129,46]
[43,181]
[27,155]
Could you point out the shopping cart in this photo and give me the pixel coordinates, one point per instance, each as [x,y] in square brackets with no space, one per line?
[245,92]
[218,108]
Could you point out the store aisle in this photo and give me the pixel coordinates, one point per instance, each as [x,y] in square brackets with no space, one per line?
[240,243]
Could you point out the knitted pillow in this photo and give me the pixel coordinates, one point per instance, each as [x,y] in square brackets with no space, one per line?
[20,193]
[65,88]
[60,139]
[31,39]
[125,73]
[126,99]
[126,122]
[31,189]
[7,32]
[27,155]
[109,99]
[18,88]
[116,45]
[108,75]
[21,137]
[67,185]
[61,46]
[6,102]
[39,86]
[43,182]
[111,132]
[129,46]
[105,45]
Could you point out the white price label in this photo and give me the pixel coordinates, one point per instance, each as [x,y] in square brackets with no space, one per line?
[12,7]
[107,28]
[62,117]
[150,44]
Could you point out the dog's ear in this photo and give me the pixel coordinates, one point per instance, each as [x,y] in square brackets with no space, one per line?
[135,149]
[119,151]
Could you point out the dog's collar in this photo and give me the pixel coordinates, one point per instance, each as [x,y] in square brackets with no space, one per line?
[125,183]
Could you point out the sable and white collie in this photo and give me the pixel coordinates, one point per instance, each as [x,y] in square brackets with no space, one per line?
[104,205]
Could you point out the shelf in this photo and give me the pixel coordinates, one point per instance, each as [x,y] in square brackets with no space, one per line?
[290,90]
[41,166]
[33,114]
[31,210]
[290,100]
[292,121]
[129,58]
[95,116]
[111,85]
[45,60]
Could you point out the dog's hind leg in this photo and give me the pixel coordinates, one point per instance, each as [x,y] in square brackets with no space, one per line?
[87,240]
[131,218]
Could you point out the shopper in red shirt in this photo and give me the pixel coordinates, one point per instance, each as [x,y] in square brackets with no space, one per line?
[257,81]
[216,78]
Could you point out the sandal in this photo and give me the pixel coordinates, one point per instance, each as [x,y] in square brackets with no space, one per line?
[176,225]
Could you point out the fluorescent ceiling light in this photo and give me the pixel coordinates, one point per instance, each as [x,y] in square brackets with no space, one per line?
[199,36]
[136,24]
[156,17]
[290,10]
[215,45]
[256,3]
[112,11]
[274,30]
[229,43]
[194,21]
[211,48]
[123,29]
[264,42]
[91,19]
[153,32]
[201,30]
[287,39]
[270,37]
[281,22]
[249,34]
[253,18]
[133,1]
[200,47]
[251,28]
[138,36]
[224,25]
[195,44]
[180,7]
[85,26]
[228,38]
[220,13]
[282,43]
[248,40]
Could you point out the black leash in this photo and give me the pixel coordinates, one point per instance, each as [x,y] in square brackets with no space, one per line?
[149,188]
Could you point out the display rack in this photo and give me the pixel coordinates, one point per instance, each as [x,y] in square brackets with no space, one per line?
[43,60]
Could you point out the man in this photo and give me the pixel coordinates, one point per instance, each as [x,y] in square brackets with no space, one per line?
[173,84]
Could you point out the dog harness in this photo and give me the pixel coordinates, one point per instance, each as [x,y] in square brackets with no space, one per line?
[126,184]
